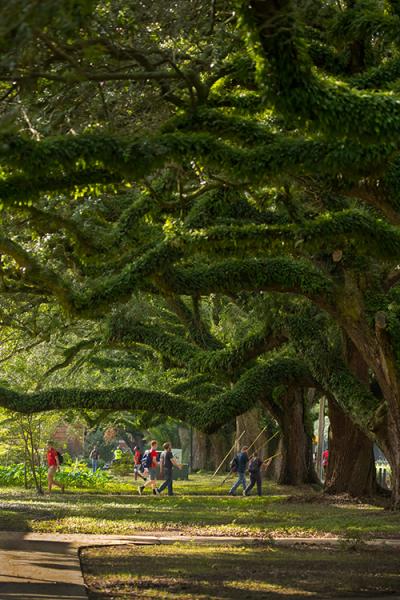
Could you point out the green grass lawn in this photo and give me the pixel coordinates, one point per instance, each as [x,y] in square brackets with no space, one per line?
[280,513]
[197,572]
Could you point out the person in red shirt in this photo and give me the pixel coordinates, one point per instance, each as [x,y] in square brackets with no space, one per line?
[53,466]
[150,457]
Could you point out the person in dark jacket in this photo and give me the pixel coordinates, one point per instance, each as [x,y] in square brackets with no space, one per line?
[255,467]
[241,461]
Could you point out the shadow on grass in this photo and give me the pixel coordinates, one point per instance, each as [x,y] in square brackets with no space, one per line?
[189,571]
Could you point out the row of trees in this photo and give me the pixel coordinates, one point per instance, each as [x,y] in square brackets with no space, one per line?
[208,206]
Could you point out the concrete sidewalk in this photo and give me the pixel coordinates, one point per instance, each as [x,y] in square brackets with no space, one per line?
[45,566]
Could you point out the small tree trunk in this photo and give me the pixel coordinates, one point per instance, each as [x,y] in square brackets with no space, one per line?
[351,465]
[25,469]
[218,447]
[297,462]
[184,438]
[199,445]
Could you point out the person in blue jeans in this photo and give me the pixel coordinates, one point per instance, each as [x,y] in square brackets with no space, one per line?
[94,457]
[240,461]
[167,461]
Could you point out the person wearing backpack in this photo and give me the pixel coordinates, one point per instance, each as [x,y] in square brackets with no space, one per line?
[167,461]
[149,464]
[255,467]
[240,461]
[53,464]
[137,459]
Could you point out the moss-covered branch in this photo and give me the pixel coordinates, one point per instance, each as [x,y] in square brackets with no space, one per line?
[286,74]
[234,275]
[207,416]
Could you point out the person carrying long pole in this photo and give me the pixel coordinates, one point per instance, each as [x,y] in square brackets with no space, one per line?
[232,469]
[256,466]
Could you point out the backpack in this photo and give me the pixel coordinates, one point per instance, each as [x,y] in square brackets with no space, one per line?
[254,465]
[147,460]
[60,457]
[234,464]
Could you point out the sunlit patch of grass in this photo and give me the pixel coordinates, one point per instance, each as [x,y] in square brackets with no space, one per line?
[104,512]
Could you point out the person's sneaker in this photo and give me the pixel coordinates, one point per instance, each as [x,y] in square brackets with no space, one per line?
[140,489]
[156,492]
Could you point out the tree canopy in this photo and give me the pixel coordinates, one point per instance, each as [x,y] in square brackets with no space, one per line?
[158,171]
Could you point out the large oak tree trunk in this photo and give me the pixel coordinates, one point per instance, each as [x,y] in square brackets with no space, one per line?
[377,351]
[296,442]
[388,377]
[390,445]
[351,466]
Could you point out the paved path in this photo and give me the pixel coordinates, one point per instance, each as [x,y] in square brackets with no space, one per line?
[45,566]
[42,568]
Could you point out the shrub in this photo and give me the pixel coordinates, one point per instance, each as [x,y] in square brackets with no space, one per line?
[76,475]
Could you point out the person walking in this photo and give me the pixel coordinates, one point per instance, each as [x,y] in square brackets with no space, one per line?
[53,464]
[240,461]
[94,457]
[149,462]
[137,459]
[167,461]
[256,465]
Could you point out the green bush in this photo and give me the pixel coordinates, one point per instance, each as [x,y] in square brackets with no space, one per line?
[77,475]
[123,466]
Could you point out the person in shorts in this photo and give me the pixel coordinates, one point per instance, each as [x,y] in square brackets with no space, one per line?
[152,469]
[53,465]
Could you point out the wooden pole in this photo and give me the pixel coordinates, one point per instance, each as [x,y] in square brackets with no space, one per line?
[272,437]
[261,432]
[271,457]
[233,447]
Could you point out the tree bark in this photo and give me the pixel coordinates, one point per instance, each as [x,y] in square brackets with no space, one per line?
[184,438]
[209,449]
[378,354]
[296,443]
[199,445]
[351,465]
